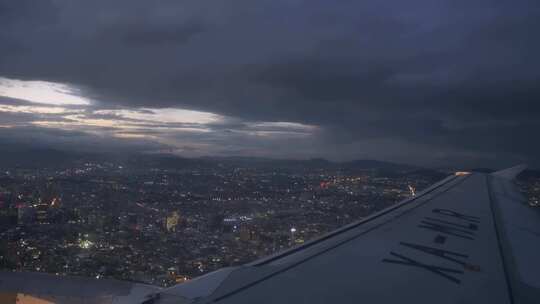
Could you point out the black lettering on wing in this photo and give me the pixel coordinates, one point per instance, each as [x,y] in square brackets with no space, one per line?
[447,229]
[444,254]
[441,271]
[446,212]
[469,226]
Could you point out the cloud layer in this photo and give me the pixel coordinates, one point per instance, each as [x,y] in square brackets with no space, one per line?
[429,82]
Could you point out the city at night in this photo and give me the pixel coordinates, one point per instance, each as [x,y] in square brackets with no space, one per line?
[284,151]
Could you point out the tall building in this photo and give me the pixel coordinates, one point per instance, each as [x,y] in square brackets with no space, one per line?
[133,221]
[172,221]
[42,213]
[245,233]
[25,214]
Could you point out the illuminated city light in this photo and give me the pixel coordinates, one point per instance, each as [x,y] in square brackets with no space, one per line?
[86,244]
[412,190]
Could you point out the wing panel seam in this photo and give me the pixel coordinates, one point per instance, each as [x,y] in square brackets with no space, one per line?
[494,209]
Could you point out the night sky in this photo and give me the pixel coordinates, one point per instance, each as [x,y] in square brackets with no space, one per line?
[426,82]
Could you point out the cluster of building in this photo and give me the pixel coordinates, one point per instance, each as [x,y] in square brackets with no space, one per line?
[530,187]
[164,226]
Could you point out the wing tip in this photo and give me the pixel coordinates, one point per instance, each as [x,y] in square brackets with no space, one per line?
[510,173]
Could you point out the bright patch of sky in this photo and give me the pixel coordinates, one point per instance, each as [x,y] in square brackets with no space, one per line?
[42,92]
[167,115]
[61,106]
[33,109]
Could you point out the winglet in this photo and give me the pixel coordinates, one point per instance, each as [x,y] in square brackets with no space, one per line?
[510,173]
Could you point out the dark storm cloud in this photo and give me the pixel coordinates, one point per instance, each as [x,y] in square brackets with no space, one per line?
[69,140]
[434,77]
[138,35]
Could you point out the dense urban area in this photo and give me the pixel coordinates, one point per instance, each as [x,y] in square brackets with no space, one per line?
[168,220]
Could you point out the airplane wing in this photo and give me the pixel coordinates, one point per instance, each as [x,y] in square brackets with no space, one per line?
[470,238]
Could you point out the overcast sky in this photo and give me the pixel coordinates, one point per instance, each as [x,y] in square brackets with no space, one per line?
[428,82]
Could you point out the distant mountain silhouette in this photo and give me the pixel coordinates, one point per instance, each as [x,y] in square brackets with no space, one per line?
[314,162]
[32,157]
[376,164]
[21,156]
[42,157]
